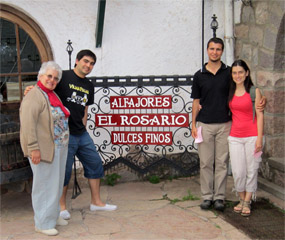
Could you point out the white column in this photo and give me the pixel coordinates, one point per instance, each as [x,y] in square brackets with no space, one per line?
[229,32]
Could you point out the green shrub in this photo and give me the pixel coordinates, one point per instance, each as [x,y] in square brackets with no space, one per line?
[154,179]
[111,179]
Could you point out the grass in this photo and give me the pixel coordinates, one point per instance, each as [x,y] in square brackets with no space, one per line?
[189,197]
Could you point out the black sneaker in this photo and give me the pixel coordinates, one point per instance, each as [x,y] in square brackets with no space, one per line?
[206,204]
[219,205]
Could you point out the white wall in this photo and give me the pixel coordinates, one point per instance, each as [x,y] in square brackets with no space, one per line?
[141,37]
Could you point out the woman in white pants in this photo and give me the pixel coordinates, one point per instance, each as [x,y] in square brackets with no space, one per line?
[246,136]
[44,138]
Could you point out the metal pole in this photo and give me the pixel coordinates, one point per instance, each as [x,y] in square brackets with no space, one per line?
[203,9]
[76,191]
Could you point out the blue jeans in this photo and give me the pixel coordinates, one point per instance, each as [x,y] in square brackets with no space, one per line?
[82,146]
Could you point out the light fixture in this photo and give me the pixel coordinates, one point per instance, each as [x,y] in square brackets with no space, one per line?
[214,25]
[247,2]
[69,49]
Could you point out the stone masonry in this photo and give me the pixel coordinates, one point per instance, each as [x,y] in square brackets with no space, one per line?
[260,42]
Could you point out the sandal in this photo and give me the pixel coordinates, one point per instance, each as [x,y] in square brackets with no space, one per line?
[238,208]
[246,209]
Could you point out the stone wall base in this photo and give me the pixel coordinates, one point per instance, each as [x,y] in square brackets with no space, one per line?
[272,176]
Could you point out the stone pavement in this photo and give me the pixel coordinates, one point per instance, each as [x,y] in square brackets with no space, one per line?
[145,211]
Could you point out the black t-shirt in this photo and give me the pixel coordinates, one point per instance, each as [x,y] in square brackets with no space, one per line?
[213,91]
[75,93]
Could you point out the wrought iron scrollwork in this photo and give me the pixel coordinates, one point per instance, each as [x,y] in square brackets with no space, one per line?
[180,156]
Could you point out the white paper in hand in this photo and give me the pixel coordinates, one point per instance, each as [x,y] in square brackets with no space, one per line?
[257,154]
[199,137]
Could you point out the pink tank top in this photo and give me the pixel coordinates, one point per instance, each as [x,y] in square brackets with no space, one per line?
[242,117]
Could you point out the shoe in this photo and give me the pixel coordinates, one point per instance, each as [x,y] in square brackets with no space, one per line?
[107,207]
[246,209]
[61,222]
[206,204]
[219,205]
[48,232]
[239,206]
[65,214]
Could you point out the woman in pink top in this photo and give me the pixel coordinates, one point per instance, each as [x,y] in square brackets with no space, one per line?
[246,136]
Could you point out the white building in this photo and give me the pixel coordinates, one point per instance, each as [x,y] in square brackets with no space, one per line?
[145,37]
[140,38]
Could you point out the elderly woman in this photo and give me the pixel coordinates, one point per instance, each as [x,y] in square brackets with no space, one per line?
[44,138]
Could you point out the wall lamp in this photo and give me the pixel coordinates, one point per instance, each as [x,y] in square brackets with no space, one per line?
[214,25]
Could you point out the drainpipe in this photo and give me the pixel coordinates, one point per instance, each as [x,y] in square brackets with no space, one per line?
[229,32]
[203,16]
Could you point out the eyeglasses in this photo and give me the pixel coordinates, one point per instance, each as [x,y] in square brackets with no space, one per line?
[50,77]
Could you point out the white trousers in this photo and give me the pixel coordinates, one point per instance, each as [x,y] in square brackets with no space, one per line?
[47,189]
[244,165]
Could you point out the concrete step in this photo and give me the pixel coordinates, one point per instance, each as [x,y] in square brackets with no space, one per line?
[272,188]
[277,163]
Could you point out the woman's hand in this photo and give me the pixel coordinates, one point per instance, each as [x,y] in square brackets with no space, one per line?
[258,145]
[36,156]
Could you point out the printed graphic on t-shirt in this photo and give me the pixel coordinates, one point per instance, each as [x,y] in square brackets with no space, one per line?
[75,98]
[78,99]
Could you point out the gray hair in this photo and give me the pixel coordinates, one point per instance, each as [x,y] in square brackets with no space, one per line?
[50,65]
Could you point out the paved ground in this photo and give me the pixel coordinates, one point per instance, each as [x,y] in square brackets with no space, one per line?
[145,212]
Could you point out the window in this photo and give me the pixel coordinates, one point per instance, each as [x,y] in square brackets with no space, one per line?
[23,48]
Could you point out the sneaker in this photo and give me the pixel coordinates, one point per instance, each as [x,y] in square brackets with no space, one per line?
[65,214]
[61,222]
[219,205]
[107,207]
[206,204]
[48,232]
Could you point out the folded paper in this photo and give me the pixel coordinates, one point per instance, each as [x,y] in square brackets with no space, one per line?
[257,154]
[199,137]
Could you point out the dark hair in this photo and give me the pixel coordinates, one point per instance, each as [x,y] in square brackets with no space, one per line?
[85,52]
[216,40]
[247,83]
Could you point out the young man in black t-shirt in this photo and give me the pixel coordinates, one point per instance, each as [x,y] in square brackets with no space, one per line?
[210,90]
[77,93]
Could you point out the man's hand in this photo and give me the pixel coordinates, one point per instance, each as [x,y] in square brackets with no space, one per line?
[194,132]
[36,156]
[262,103]
[27,89]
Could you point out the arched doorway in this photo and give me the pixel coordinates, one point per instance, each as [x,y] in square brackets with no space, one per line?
[23,48]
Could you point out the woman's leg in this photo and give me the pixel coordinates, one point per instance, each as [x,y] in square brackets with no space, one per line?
[45,192]
[252,165]
[238,162]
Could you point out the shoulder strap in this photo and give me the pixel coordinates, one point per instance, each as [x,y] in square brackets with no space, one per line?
[252,96]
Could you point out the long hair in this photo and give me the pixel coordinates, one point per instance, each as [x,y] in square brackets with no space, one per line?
[247,83]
